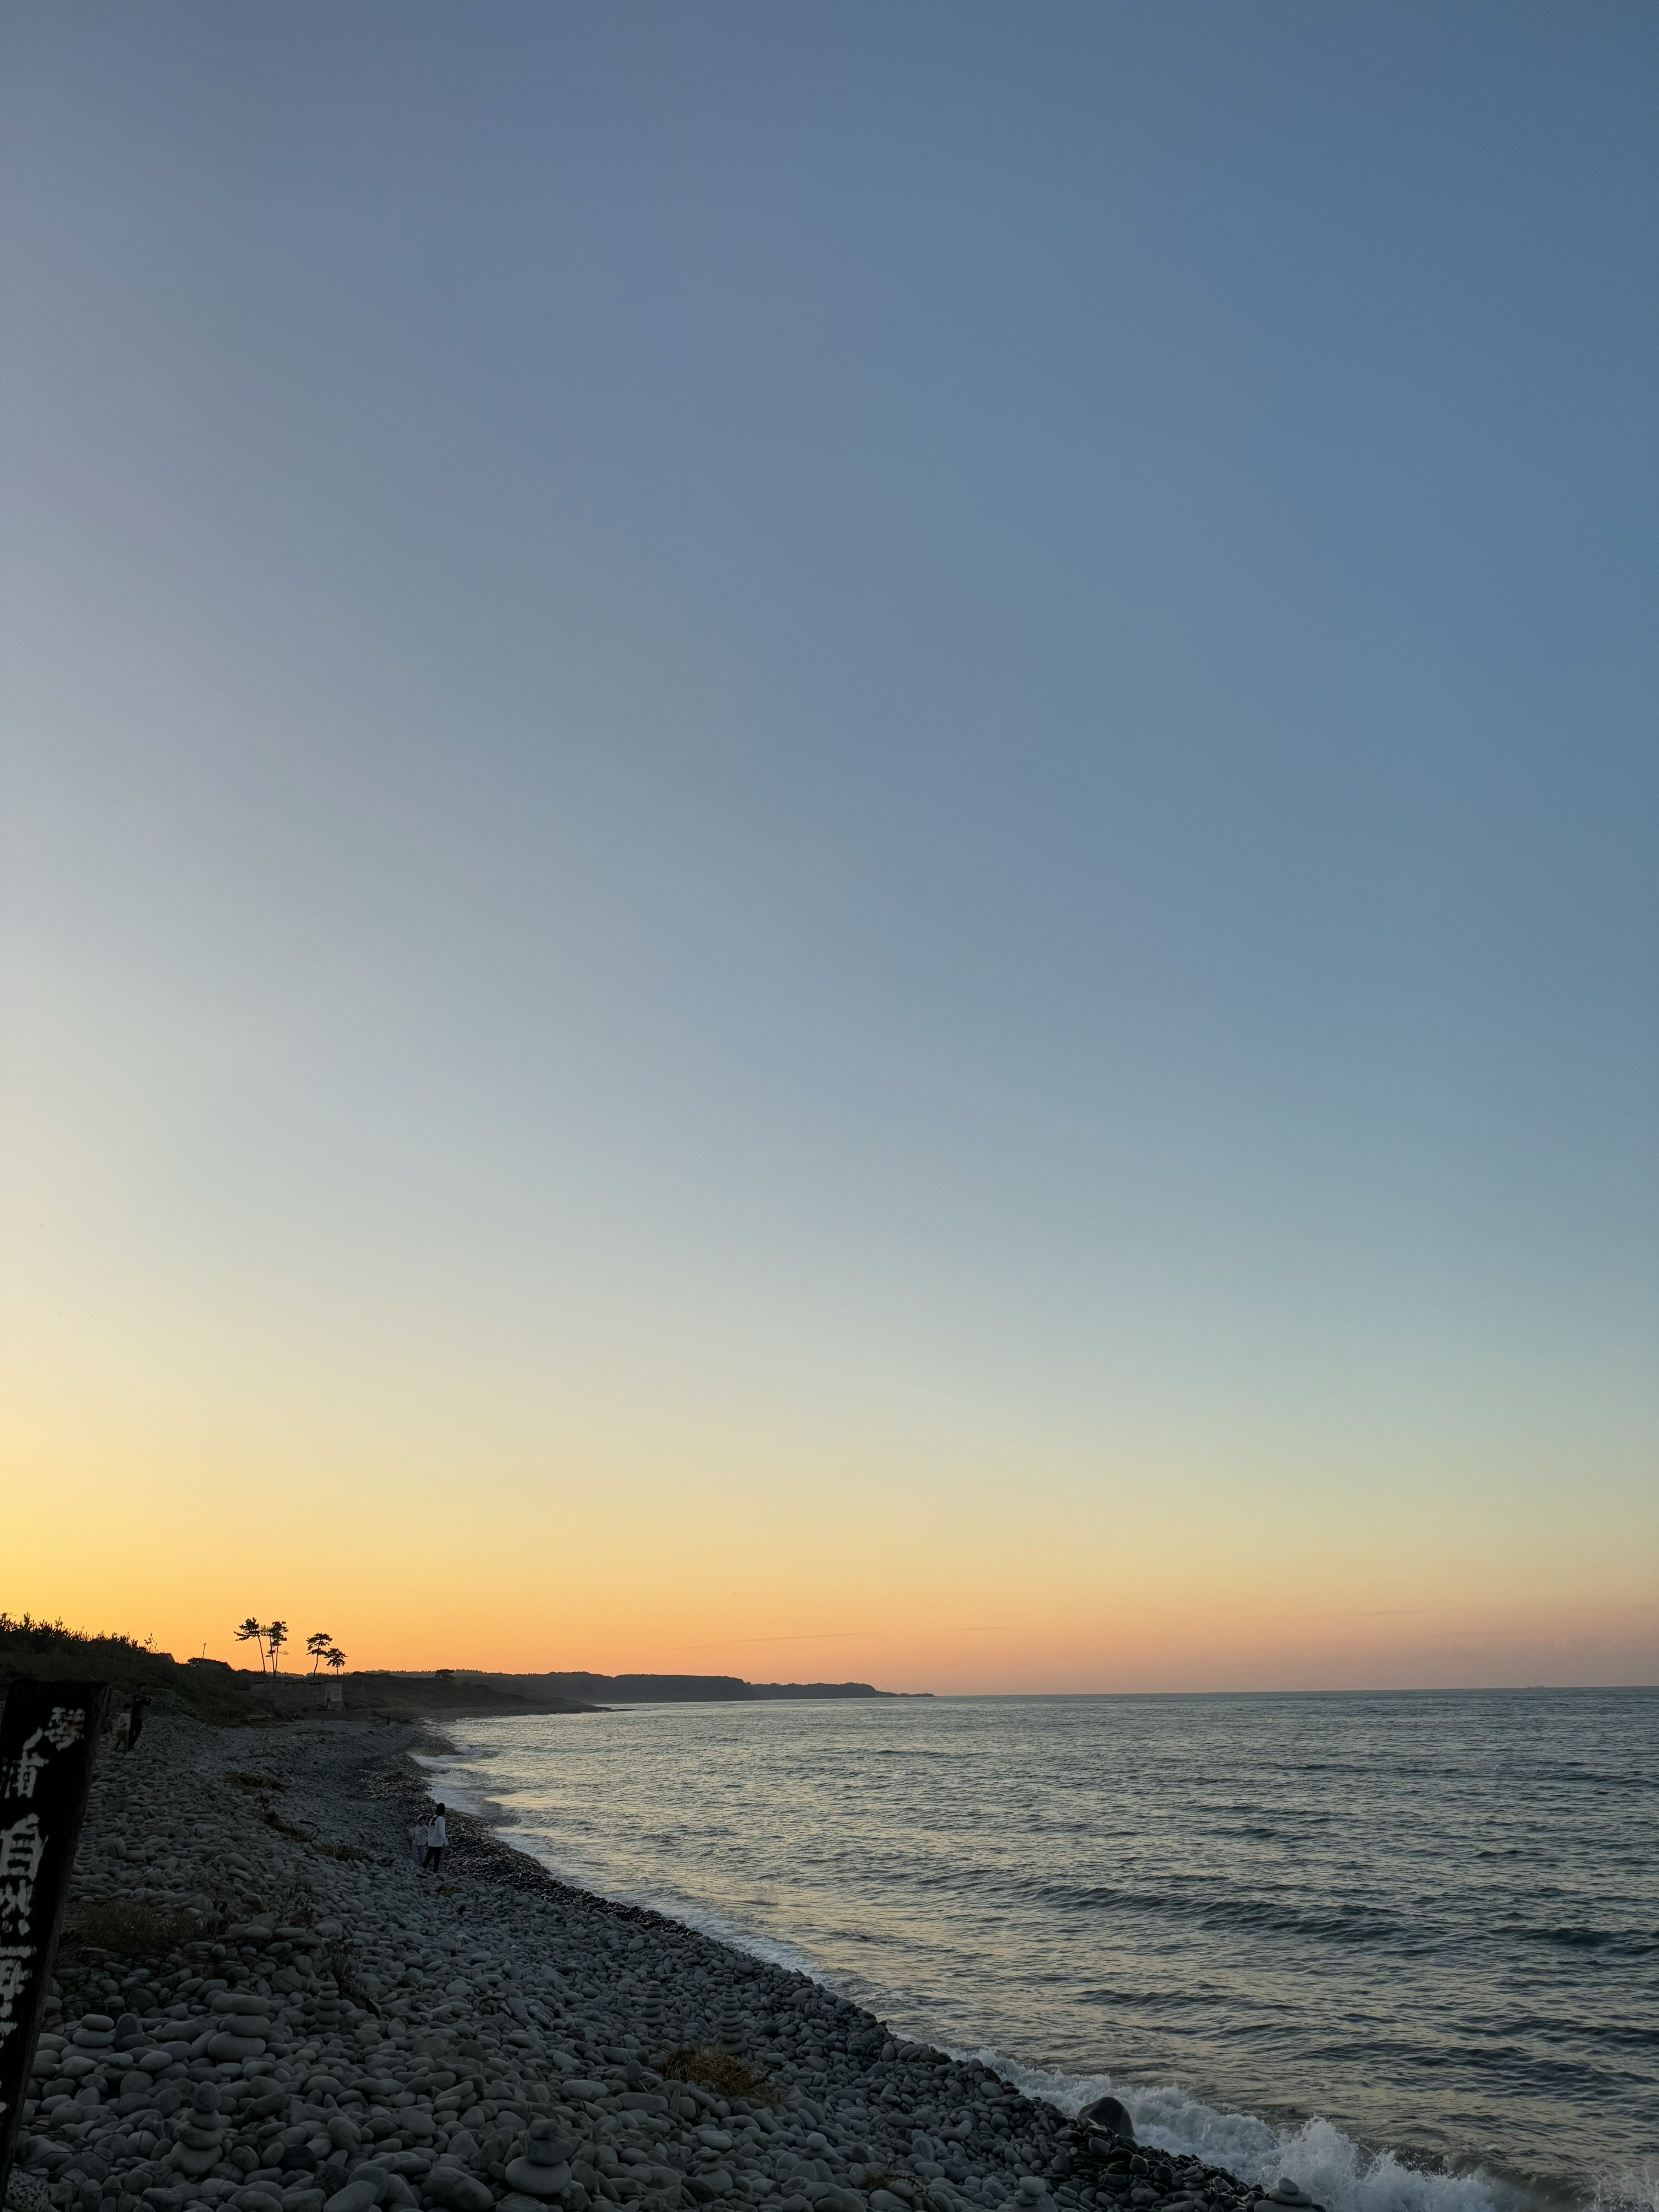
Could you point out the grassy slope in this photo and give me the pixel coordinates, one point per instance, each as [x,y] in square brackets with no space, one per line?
[52,1653]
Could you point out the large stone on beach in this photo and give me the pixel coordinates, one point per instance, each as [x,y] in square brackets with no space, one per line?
[537,2181]
[456,2191]
[227,2047]
[194,2163]
[360,2196]
[1108,2117]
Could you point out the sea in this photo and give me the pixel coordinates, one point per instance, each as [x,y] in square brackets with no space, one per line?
[1402,1948]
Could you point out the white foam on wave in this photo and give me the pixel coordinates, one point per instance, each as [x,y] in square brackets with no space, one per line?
[1335,2170]
[1628,2189]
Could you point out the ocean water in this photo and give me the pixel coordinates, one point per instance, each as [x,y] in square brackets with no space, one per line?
[1403,1947]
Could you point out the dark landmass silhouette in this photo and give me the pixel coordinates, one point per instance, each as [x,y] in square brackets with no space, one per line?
[669,1689]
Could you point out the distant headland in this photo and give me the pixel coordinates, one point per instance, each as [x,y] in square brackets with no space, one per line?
[458,1690]
[669,1689]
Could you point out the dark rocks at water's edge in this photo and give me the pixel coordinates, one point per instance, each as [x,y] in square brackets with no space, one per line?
[1108,2117]
[262,2005]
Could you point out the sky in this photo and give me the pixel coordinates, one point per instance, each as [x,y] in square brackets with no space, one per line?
[828,837]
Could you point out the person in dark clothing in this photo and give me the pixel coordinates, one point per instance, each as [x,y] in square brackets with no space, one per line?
[136,1712]
[437,1842]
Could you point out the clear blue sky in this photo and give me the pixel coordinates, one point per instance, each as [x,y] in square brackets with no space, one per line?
[858,741]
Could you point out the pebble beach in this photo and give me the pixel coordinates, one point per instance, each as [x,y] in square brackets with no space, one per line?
[263,2004]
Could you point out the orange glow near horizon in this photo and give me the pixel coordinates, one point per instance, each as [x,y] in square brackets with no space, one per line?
[956,1580]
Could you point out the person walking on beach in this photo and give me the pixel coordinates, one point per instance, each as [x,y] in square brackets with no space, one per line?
[136,1712]
[437,1841]
[418,1844]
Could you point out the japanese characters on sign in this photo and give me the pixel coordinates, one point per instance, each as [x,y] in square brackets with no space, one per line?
[48,1735]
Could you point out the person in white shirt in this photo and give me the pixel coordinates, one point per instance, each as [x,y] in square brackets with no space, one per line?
[437,1841]
[418,1844]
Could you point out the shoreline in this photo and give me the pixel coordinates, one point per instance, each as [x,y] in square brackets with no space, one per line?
[262,2004]
[1177,2126]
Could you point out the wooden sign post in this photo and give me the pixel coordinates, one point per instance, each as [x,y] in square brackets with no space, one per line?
[48,1738]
